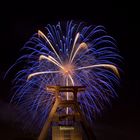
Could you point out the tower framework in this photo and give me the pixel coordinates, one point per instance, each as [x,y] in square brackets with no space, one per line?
[63,103]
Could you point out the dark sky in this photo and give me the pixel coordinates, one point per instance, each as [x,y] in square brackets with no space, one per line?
[20,20]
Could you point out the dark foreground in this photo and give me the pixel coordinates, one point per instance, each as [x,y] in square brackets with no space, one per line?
[118,124]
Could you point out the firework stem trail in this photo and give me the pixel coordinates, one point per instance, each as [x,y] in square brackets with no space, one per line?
[51,59]
[43,36]
[40,73]
[67,94]
[72,81]
[74,44]
[112,67]
[82,45]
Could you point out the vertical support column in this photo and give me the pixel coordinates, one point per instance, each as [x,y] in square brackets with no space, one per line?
[44,131]
[87,128]
[58,103]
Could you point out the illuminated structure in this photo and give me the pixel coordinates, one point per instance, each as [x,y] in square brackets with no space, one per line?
[76,115]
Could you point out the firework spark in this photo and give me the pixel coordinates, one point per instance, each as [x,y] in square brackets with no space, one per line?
[75,55]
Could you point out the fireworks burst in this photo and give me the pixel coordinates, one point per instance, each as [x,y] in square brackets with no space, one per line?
[75,55]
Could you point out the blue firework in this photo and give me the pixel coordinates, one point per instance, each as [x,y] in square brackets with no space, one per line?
[74,54]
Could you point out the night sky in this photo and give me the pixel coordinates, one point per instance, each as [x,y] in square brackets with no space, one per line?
[20,20]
